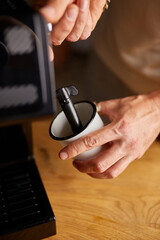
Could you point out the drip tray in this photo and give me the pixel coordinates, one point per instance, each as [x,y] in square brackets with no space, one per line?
[25,211]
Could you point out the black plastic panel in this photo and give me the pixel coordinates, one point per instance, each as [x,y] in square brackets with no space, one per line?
[25,212]
[27,81]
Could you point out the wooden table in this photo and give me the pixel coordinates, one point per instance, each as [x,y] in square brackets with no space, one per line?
[124,208]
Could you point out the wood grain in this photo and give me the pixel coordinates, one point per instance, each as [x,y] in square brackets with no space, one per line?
[125,208]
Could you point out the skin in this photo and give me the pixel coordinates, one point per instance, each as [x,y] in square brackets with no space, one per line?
[134,121]
[72,20]
[134,125]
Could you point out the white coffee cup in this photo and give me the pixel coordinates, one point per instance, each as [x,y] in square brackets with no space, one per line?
[61,131]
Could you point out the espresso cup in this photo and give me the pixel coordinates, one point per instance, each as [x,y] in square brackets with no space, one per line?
[61,131]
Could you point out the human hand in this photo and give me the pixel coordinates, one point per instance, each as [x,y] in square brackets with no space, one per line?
[73,20]
[83,28]
[54,11]
[134,125]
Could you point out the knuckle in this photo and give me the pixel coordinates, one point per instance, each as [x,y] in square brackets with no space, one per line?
[112,174]
[84,36]
[74,36]
[123,127]
[90,142]
[99,167]
[132,144]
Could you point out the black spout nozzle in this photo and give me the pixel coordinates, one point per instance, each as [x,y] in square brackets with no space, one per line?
[63,96]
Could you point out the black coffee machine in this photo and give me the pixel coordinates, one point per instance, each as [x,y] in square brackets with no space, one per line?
[27,92]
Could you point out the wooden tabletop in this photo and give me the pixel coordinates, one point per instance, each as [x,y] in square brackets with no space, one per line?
[124,208]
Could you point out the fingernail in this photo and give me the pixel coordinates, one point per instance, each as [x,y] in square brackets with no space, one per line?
[71,14]
[63,155]
[83,5]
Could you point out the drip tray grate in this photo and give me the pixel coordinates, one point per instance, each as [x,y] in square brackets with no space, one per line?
[24,205]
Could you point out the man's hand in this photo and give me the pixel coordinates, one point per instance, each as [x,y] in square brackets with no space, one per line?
[86,24]
[134,125]
[73,20]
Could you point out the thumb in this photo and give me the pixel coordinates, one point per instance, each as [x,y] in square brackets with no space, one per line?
[106,108]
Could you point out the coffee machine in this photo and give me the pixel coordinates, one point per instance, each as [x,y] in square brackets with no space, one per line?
[27,92]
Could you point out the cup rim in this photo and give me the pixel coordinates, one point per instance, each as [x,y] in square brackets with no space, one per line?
[82,129]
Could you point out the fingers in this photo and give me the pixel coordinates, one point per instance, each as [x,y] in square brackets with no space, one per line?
[73,23]
[94,139]
[109,108]
[106,106]
[114,171]
[77,26]
[54,10]
[88,28]
[81,20]
[103,162]
[62,29]
[96,9]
